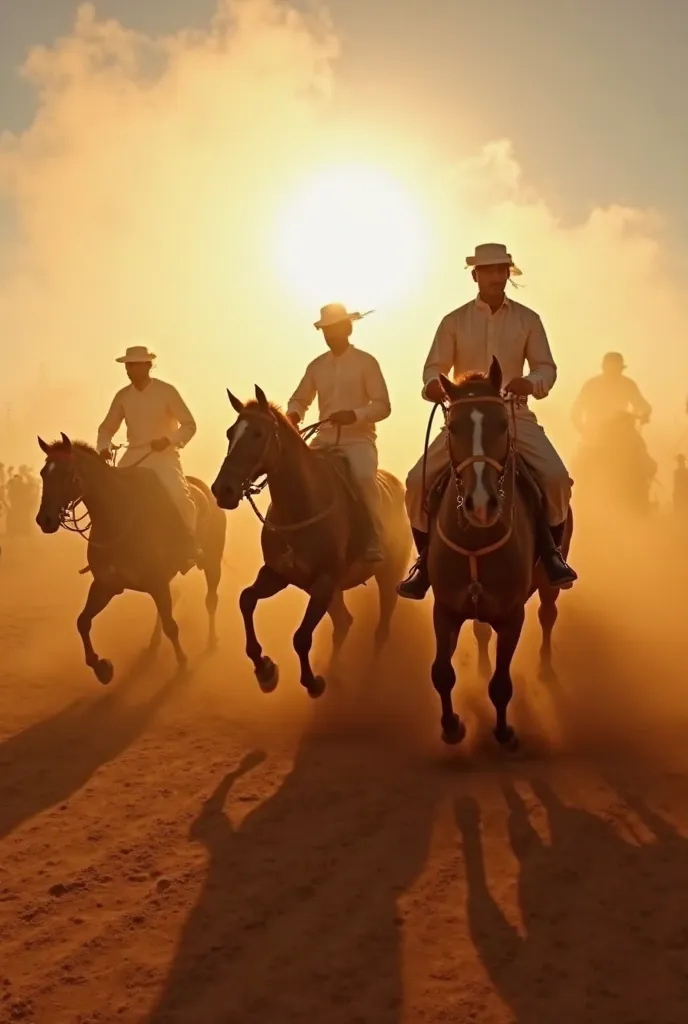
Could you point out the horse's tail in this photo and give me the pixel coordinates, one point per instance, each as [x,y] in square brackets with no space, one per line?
[204,489]
[216,523]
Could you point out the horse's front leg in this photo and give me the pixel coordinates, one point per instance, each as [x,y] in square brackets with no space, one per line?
[163,602]
[501,688]
[322,592]
[267,584]
[99,596]
[447,624]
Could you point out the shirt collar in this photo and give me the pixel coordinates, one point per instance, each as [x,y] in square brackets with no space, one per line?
[484,308]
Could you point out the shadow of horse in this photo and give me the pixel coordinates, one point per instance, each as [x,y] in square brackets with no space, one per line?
[604,937]
[297,919]
[46,764]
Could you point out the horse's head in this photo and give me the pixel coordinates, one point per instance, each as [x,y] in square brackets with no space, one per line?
[61,486]
[479,442]
[254,448]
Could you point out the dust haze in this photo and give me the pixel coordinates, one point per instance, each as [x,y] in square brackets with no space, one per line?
[143,200]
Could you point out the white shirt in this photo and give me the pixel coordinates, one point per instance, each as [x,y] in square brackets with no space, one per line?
[468,338]
[351,381]
[157,411]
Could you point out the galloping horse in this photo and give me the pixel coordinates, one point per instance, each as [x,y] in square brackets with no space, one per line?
[134,538]
[483,567]
[310,537]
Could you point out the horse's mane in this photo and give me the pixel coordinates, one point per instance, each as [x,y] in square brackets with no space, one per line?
[255,406]
[472,377]
[61,448]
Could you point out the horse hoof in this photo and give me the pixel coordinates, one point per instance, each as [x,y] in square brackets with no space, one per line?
[267,675]
[507,739]
[453,734]
[317,687]
[104,671]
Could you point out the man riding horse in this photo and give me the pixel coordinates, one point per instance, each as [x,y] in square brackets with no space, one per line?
[606,395]
[158,424]
[352,397]
[467,339]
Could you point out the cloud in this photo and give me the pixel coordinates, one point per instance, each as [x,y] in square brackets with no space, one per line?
[145,194]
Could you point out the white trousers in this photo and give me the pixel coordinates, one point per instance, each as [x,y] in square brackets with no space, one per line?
[535,447]
[168,468]
[362,458]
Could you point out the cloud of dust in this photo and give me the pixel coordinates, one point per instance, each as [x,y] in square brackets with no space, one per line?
[144,196]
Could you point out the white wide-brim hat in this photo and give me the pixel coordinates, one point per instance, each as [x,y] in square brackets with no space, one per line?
[336,313]
[137,354]
[492,254]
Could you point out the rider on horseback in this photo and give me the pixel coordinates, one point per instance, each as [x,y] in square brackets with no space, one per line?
[467,340]
[158,424]
[602,397]
[352,397]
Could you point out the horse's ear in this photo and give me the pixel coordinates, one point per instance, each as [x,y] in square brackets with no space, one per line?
[66,442]
[261,398]
[45,448]
[495,374]
[448,386]
[236,404]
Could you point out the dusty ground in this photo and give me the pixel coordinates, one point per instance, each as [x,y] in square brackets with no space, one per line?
[196,852]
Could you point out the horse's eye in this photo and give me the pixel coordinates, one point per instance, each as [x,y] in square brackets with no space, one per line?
[256,432]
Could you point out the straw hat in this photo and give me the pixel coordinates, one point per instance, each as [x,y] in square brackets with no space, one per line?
[336,313]
[492,254]
[137,354]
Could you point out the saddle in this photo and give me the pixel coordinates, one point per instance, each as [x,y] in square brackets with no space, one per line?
[361,524]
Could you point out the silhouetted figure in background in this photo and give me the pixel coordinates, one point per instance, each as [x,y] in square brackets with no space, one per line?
[679,495]
[603,397]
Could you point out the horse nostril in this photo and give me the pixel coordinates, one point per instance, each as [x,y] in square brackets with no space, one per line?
[493,504]
[470,504]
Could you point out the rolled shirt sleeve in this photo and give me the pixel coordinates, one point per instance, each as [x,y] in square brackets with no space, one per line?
[304,396]
[379,406]
[542,368]
[441,355]
[187,424]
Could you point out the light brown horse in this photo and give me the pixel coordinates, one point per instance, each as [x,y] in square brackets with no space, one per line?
[312,533]
[134,541]
[483,566]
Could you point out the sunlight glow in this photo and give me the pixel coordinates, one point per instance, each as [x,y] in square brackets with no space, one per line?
[352,234]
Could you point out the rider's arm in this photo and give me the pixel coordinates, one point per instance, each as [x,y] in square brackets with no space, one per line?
[640,406]
[543,369]
[111,424]
[441,355]
[379,406]
[187,424]
[304,396]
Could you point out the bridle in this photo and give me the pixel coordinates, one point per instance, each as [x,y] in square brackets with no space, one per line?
[70,520]
[250,488]
[507,466]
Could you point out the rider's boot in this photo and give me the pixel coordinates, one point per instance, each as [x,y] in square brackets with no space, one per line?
[549,541]
[417,583]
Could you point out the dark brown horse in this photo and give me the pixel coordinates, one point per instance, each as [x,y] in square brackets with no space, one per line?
[482,561]
[311,536]
[134,538]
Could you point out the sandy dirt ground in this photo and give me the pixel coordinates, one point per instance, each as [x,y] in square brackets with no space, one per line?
[194,852]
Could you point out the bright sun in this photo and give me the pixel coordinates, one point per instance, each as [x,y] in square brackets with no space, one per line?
[351,235]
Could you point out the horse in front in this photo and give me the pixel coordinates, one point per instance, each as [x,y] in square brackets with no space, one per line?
[315,535]
[482,557]
[136,539]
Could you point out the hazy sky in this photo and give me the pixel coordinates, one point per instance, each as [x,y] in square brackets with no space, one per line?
[593,94]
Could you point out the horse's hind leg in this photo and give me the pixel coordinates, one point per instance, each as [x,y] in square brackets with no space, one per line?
[500,687]
[267,584]
[163,602]
[156,635]
[548,614]
[482,633]
[342,620]
[321,592]
[387,582]
[447,625]
[213,571]
[99,597]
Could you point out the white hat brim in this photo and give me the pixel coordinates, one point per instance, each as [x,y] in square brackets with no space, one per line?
[351,317]
[471,265]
